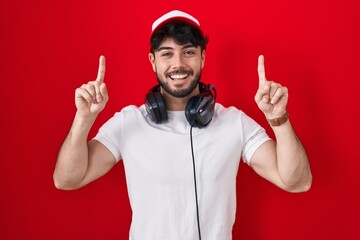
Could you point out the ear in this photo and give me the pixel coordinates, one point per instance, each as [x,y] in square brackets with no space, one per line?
[203,54]
[152,61]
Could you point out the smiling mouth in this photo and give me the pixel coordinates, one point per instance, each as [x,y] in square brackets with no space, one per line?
[179,75]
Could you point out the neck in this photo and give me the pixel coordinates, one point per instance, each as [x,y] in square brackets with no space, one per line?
[177,103]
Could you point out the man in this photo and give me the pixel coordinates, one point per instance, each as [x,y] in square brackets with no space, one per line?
[181,150]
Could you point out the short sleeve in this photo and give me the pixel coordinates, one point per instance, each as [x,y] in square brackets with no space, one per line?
[110,135]
[254,137]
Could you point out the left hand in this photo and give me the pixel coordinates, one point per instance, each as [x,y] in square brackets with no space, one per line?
[271,97]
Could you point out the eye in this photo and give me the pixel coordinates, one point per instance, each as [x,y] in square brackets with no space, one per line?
[189,53]
[166,54]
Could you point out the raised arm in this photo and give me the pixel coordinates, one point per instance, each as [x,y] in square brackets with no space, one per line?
[79,161]
[285,161]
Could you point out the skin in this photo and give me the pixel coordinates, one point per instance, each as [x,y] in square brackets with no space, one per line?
[79,161]
[284,162]
[171,57]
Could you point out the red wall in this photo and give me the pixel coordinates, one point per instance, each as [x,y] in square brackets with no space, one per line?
[48,48]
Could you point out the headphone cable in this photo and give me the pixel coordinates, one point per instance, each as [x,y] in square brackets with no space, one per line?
[196,197]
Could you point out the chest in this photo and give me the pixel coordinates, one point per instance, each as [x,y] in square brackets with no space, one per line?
[168,157]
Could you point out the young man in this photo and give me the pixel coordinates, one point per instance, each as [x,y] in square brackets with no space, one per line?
[181,150]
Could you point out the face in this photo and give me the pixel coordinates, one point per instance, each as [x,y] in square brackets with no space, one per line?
[178,67]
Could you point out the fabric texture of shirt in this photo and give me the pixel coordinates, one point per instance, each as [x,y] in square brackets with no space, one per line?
[159,170]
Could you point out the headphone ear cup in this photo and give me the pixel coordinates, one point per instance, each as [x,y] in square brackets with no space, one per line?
[200,110]
[190,110]
[155,106]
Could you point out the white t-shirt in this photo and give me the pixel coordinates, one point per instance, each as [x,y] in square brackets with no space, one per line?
[159,172]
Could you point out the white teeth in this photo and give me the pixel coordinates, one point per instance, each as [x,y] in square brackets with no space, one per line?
[179,76]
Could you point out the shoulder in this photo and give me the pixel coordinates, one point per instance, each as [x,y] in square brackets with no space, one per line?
[126,114]
[231,113]
[132,115]
[131,111]
[234,118]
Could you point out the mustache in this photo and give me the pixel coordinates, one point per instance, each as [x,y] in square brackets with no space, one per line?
[180,71]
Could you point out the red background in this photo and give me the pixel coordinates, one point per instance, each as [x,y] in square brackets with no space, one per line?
[49,48]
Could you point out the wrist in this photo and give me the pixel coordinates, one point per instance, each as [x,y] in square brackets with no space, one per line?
[87,116]
[275,122]
[84,122]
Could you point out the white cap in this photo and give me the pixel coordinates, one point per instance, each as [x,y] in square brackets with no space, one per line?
[174,15]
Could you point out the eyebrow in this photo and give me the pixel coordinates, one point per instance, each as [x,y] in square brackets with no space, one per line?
[189,45]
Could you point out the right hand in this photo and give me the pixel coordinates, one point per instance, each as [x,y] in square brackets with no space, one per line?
[91,98]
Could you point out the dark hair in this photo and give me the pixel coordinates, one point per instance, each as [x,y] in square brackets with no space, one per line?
[181,32]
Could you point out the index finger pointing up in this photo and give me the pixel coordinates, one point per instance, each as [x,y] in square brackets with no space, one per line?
[101,71]
[261,69]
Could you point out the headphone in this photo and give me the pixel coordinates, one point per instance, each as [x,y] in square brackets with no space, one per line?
[198,111]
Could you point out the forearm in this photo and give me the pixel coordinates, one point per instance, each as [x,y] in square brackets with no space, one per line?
[292,160]
[72,161]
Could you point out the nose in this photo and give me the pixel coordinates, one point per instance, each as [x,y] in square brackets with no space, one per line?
[178,61]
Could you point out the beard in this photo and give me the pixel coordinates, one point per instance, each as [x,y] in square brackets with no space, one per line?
[180,93]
